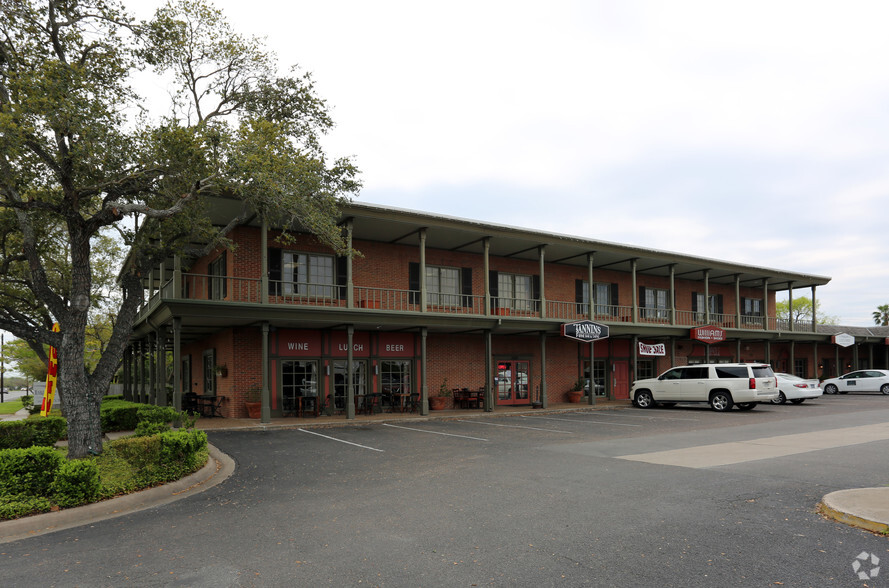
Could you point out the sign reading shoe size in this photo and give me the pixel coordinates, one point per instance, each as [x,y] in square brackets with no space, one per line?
[585,331]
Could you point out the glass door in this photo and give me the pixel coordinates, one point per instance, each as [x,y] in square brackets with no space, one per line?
[512,382]
[359,380]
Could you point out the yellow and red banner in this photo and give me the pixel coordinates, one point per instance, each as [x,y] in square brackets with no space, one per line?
[50,391]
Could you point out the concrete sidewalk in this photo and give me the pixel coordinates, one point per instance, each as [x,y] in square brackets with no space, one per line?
[867,508]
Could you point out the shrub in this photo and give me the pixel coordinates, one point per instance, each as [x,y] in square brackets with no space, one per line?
[28,471]
[16,435]
[180,450]
[163,457]
[112,397]
[119,415]
[20,505]
[43,431]
[76,482]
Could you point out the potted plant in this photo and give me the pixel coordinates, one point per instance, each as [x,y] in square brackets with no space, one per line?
[438,402]
[253,402]
[576,392]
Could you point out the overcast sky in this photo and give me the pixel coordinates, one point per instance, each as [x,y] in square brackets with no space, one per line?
[754,132]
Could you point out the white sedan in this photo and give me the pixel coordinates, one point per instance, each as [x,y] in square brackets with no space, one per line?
[858,381]
[795,389]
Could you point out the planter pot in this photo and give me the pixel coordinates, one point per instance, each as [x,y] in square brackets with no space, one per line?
[437,402]
[575,396]
[254,409]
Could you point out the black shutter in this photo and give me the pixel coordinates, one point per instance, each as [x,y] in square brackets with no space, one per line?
[578,296]
[224,265]
[341,276]
[719,308]
[694,301]
[274,271]
[535,291]
[615,301]
[466,285]
[413,282]
[494,284]
[641,296]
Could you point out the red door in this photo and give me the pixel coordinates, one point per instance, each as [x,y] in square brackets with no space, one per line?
[620,382]
[512,382]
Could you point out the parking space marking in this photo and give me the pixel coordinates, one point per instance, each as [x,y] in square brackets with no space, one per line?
[720,454]
[433,432]
[639,416]
[581,421]
[341,441]
[516,427]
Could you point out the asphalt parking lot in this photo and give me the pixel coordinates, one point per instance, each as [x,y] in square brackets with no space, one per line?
[572,499]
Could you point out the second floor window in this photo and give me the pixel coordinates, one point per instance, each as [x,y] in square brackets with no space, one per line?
[605,297]
[218,286]
[307,274]
[654,303]
[699,306]
[515,291]
[443,286]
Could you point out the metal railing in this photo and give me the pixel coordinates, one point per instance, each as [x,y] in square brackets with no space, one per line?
[249,290]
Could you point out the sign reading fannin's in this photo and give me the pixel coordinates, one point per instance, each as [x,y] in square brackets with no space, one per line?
[585,331]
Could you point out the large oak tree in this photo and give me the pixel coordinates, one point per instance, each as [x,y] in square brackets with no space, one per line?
[81,154]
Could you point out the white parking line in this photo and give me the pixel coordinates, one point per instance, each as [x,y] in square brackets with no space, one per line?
[639,416]
[341,441]
[583,421]
[433,432]
[516,427]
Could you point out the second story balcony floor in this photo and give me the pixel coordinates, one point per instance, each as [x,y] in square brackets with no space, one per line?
[222,291]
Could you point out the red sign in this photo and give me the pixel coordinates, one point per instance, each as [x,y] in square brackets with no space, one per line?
[396,345]
[295,343]
[708,334]
[339,345]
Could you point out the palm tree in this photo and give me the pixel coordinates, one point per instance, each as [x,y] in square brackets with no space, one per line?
[881,315]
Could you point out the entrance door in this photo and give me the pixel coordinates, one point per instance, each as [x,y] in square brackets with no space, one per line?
[359,380]
[512,381]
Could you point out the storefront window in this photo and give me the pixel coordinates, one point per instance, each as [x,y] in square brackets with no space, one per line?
[298,378]
[599,374]
[359,381]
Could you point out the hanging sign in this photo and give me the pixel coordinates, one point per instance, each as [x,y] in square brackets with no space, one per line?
[843,339]
[708,334]
[585,331]
[658,349]
[51,371]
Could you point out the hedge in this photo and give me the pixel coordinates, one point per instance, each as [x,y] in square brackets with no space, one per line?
[28,471]
[163,457]
[41,431]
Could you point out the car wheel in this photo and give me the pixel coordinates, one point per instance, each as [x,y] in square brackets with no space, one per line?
[885,389]
[746,405]
[798,400]
[830,389]
[721,401]
[643,399]
[780,400]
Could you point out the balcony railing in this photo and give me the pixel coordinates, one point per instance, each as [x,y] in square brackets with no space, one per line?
[249,290]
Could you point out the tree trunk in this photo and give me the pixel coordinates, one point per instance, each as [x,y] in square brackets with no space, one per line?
[84,424]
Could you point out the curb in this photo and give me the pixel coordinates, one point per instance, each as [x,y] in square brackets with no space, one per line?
[857,508]
[218,469]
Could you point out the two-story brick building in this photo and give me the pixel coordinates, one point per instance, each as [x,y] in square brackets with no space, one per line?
[439,302]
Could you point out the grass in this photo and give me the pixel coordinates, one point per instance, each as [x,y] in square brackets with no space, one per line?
[10,406]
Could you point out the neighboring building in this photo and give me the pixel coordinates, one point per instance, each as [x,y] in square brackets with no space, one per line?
[436,301]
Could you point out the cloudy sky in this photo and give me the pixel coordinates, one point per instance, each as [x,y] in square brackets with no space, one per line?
[755,132]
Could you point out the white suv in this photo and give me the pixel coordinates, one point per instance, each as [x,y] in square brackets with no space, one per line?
[723,385]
